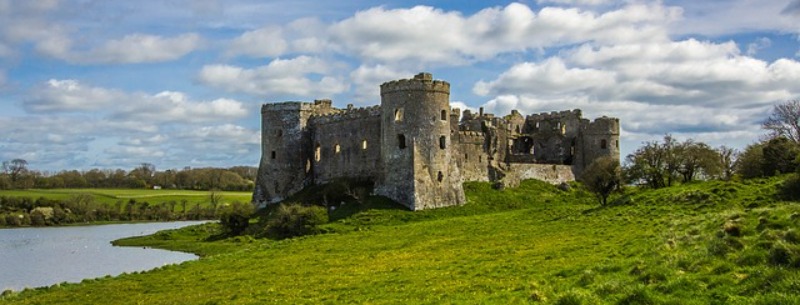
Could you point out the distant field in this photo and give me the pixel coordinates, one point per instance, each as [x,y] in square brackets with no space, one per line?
[111,196]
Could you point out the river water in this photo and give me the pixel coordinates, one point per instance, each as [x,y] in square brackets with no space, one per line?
[34,257]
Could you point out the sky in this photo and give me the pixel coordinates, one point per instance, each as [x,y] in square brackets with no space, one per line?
[112,84]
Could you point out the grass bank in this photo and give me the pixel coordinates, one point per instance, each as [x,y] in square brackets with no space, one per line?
[701,243]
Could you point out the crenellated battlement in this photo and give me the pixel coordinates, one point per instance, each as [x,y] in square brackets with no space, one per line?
[602,125]
[420,82]
[347,114]
[555,115]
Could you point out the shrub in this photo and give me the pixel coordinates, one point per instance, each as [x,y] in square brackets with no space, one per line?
[291,220]
[235,217]
[790,188]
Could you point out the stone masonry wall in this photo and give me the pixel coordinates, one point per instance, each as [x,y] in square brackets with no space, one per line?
[346,145]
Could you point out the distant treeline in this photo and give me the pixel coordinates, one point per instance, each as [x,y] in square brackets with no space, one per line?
[16,175]
[83,208]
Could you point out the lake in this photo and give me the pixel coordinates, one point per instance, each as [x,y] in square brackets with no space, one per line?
[34,257]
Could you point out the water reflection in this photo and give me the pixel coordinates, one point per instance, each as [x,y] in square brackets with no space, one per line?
[34,257]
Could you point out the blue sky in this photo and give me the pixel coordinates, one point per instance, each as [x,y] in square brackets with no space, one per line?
[111,84]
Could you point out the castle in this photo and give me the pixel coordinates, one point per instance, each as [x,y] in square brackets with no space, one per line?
[416,151]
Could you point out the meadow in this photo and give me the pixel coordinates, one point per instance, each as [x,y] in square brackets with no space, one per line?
[111,196]
[698,243]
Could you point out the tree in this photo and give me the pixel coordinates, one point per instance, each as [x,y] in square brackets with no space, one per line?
[214,196]
[602,177]
[727,162]
[784,121]
[698,158]
[647,164]
[779,156]
[749,163]
[15,168]
[235,217]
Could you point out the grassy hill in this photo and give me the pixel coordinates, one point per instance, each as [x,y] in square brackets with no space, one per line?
[702,243]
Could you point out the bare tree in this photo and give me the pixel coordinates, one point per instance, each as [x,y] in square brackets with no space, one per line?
[784,121]
[15,168]
[727,161]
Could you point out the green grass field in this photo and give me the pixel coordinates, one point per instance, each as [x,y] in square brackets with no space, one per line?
[701,243]
[111,196]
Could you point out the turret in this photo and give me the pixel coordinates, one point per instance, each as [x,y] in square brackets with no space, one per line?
[419,170]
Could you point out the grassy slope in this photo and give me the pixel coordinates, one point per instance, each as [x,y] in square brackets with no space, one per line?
[527,245]
[111,196]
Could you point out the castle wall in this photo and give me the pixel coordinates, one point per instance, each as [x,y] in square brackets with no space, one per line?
[598,138]
[285,148]
[346,145]
[471,156]
[551,173]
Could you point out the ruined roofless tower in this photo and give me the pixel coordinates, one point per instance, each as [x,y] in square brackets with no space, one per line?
[419,170]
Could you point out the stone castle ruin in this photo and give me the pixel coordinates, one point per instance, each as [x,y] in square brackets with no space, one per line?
[416,151]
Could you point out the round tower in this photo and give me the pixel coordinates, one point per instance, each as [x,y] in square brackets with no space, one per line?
[419,171]
[599,138]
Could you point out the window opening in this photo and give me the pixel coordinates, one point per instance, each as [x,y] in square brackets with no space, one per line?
[401,141]
[279,133]
[398,114]
[563,128]
[308,165]
[337,148]
[518,131]
[442,142]
[364,144]
[317,153]
[444,115]
[440,176]
[616,143]
[273,154]
[603,144]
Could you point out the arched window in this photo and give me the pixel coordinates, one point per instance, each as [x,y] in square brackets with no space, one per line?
[317,153]
[398,114]
[337,148]
[444,115]
[442,142]
[603,144]
[401,141]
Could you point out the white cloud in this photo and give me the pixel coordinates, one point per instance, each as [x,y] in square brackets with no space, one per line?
[685,72]
[70,95]
[140,48]
[574,2]
[167,106]
[279,77]
[367,81]
[429,35]
[758,45]
[263,42]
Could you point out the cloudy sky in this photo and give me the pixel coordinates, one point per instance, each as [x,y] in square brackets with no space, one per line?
[111,84]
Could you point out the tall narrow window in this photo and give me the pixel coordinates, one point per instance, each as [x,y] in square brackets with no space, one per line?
[398,114]
[337,148]
[442,142]
[364,144]
[603,144]
[518,131]
[401,141]
[308,166]
[564,128]
[440,176]
[317,153]
[273,154]
[444,115]
[616,143]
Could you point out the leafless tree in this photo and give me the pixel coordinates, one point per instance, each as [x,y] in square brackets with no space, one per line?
[784,121]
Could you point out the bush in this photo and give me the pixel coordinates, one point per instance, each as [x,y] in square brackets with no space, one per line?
[290,220]
[235,217]
[790,188]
